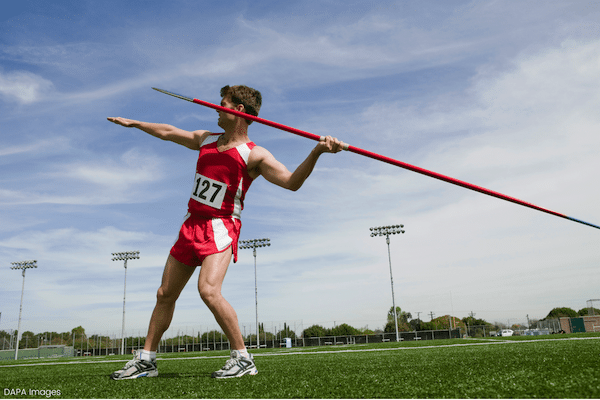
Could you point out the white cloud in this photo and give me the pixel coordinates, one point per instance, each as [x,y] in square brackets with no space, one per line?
[133,168]
[24,87]
[36,147]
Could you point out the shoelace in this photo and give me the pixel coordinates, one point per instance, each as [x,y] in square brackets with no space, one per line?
[230,364]
[131,362]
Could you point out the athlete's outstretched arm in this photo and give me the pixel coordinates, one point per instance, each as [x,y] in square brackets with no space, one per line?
[275,172]
[192,140]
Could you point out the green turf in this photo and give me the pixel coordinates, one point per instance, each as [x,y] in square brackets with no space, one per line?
[459,368]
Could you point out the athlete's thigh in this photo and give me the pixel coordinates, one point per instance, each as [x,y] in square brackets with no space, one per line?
[175,276]
[213,270]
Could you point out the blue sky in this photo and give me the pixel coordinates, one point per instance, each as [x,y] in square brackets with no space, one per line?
[500,94]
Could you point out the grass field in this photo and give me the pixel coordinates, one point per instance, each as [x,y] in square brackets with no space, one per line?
[566,366]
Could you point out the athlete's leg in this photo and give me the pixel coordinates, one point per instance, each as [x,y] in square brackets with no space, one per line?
[212,274]
[174,279]
[175,276]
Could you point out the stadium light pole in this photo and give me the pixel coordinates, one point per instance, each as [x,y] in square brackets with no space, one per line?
[22,265]
[126,255]
[387,231]
[254,244]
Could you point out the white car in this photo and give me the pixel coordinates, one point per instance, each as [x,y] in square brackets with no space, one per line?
[506,332]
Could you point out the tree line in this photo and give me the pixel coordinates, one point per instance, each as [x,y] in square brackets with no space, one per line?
[81,341]
[406,323]
[570,313]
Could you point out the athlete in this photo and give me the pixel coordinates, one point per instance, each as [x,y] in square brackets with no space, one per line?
[228,162]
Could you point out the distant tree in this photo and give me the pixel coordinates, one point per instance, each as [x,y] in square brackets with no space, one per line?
[214,335]
[415,324]
[78,331]
[403,316]
[472,321]
[442,322]
[402,327]
[314,331]
[344,330]
[28,340]
[286,332]
[428,326]
[365,331]
[562,312]
[586,311]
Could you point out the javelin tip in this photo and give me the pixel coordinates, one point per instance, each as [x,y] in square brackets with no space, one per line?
[174,94]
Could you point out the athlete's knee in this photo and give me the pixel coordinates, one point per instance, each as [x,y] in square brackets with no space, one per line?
[209,294]
[163,295]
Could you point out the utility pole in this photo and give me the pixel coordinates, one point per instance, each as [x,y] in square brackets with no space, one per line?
[387,231]
[254,244]
[126,255]
[22,265]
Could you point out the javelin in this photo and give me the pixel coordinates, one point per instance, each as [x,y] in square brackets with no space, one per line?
[378,157]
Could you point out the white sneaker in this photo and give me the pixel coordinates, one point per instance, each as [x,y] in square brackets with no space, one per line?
[136,368]
[236,366]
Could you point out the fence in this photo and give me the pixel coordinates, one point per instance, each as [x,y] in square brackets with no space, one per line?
[214,341]
[40,352]
[377,338]
[220,342]
[552,325]
[320,341]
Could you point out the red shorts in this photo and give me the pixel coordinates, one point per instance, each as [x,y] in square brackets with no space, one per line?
[201,237]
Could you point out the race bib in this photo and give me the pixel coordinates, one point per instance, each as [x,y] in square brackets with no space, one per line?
[208,191]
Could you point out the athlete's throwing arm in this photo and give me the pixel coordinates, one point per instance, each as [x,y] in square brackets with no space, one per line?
[260,162]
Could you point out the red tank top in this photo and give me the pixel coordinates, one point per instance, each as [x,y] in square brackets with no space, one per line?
[221,180]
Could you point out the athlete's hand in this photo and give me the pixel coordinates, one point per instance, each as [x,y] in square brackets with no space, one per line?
[330,144]
[128,123]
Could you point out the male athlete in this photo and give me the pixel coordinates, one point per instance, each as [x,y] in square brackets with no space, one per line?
[227,165]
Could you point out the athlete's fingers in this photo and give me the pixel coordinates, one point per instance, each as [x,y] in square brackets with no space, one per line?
[115,120]
[120,121]
[331,144]
[335,145]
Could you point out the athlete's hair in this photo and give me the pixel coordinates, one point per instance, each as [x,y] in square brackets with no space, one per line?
[240,94]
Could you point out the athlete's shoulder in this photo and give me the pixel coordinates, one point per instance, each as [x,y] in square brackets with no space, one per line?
[258,156]
[259,152]
[208,137]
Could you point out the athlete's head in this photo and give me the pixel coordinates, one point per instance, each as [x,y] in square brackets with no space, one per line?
[250,98]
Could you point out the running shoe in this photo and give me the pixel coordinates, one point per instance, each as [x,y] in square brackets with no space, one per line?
[136,368]
[236,366]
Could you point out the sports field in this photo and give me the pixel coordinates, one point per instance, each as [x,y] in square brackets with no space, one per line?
[565,366]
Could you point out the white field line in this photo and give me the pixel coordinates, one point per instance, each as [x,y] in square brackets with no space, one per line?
[487,343]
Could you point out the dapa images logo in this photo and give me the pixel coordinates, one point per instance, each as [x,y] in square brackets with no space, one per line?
[31,392]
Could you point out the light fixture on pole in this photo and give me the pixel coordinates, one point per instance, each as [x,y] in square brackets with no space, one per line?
[126,255]
[22,265]
[387,231]
[253,244]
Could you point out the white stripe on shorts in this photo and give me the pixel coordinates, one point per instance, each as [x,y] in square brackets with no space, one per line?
[184,219]
[222,239]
